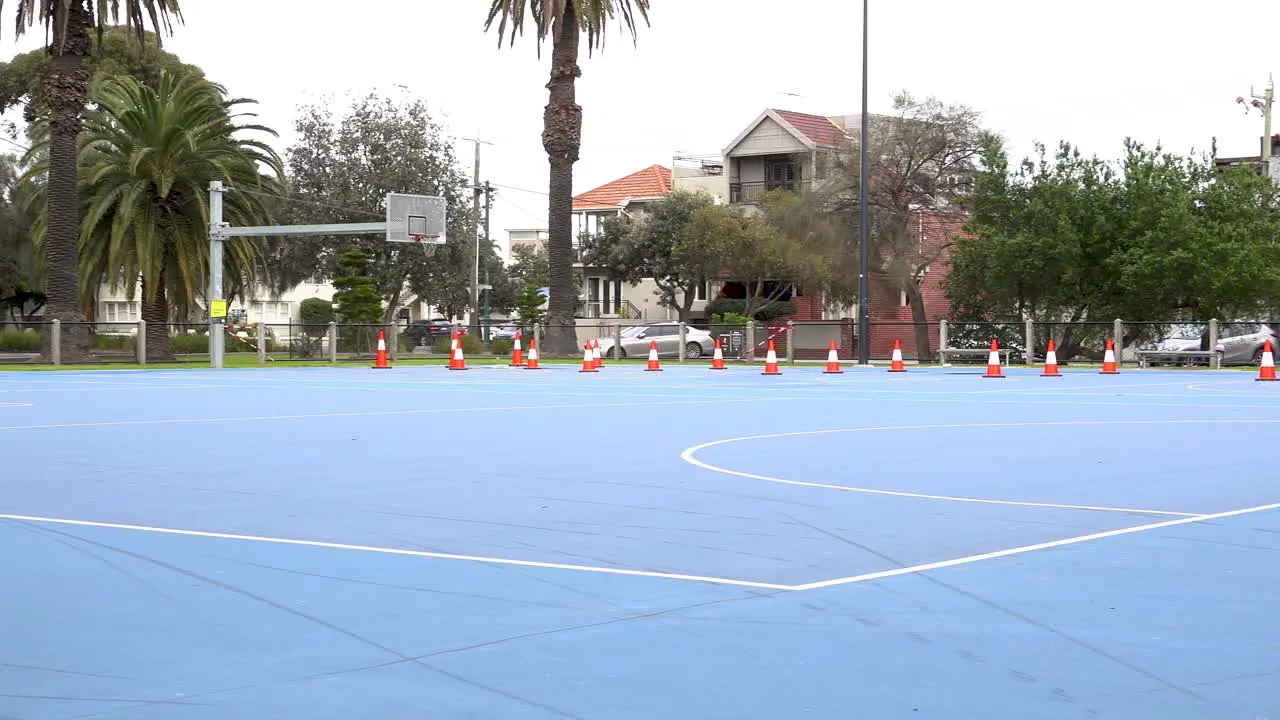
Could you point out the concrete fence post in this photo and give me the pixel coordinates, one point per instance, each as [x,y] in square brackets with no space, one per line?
[332,337]
[1117,337]
[55,342]
[393,341]
[791,345]
[942,342]
[1030,332]
[750,340]
[262,342]
[1216,362]
[617,341]
[683,335]
[140,343]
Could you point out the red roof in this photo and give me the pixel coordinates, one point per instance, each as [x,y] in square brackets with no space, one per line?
[822,131]
[653,181]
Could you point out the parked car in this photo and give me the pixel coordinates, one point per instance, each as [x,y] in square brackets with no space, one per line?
[1236,349]
[505,331]
[636,339]
[425,331]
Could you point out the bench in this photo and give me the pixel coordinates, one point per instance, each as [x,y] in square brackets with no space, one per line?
[980,352]
[1213,356]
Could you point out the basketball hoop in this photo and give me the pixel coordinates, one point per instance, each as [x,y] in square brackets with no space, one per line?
[427,242]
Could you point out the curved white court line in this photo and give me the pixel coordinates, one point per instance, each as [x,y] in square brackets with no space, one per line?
[688,455]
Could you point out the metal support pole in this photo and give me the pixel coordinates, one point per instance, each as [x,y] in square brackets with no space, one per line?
[684,335]
[217,341]
[488,205]
[140,343]
[864,216]
[1030,330]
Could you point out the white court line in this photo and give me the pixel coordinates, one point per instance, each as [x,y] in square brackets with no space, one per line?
[926,567]
[375,413]
[15,404]
[399,551]
[689,456]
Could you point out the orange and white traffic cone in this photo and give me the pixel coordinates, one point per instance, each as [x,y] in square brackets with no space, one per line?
[717,357]
[653,365]
[596,354]
[1267,372]
[588,359]
[532,362]
[1050,361]
[458,362]
[896,364]
[454,345]
[380,359]
[993,361]
[771,361]
[1109,359]
[833,361]
[517,353]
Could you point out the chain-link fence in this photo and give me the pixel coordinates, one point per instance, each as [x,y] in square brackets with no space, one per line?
[1137,343]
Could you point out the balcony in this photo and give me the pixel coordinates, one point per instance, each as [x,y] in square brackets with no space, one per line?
[748,193]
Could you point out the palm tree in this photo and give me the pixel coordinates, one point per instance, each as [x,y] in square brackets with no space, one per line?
[564,21]
[65,88]
[147,156]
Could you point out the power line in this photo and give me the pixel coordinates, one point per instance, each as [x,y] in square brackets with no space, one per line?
[302,201]
[519,189]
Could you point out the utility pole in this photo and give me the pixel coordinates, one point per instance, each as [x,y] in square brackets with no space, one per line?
[476,190]
[488,288]
[1263,102]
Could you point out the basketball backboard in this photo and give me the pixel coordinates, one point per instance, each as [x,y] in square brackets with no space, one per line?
[410,216]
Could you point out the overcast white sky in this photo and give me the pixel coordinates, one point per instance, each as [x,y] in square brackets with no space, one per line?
[1091,71]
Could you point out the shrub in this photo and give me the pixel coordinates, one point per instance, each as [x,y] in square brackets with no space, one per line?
[500,346]
[471,345]
[19,341]
[735,307]
[190,343]
[113,342]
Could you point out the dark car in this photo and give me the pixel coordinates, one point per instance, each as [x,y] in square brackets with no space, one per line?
[423,332]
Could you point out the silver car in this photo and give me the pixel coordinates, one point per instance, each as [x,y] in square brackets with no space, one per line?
[635,341]
[1243,349]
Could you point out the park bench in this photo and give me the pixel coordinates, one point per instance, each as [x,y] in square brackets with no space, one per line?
[979,352]
[1174,356]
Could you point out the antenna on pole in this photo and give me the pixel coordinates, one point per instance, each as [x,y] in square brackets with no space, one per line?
[1263,102]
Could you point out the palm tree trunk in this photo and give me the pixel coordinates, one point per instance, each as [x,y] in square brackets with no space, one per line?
[562,138]
[155,311]
[66,86]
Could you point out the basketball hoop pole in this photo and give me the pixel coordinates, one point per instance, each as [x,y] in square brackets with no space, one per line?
[220,231]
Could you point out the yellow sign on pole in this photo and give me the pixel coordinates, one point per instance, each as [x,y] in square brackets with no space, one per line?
[218,309]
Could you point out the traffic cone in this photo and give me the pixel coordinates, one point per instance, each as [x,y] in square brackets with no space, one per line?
[993,361]
[1050,361]
[517,354]
[833,361]
[532,363]
[380,359]
[595,353]
[458,362]
[771,361]
[653,366]
[588,359]
[1109,359]
[454,346]
[717,358]
[1268,370]
[896,364]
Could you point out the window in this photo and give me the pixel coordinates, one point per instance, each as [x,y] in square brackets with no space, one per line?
[119,311]
[271,312]
[700,291]
[903,300]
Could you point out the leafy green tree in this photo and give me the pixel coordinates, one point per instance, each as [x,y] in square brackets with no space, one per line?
[341,168]
[19,273]
[356,300]
[529,306]
[529,266]
[564,23]
[147,157]
[64,94]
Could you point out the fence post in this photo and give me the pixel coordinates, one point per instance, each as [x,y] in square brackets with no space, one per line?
[393,341]
[1216,362]
[537,338]
[750,354]
[942,342]
[1117,337]
[262,342]
[332,337]
[55,342]
[683,333]
[1031,341]
[791,334]
[140,343]
[617,341]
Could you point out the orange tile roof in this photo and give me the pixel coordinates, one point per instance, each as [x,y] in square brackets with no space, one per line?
[822,131]
[653,181]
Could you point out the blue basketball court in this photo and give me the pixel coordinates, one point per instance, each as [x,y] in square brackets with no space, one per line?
[502,543]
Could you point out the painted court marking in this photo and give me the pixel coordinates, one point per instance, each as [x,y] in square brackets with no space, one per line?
[14,404]
[689,456]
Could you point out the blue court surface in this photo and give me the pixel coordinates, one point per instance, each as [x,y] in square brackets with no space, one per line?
[499,543]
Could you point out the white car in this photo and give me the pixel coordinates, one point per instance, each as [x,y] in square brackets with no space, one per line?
[636,339]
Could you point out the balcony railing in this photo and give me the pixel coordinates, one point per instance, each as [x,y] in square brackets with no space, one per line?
[750,192]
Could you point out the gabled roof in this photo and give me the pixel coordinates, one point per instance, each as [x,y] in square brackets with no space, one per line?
[649,183]
[813,131]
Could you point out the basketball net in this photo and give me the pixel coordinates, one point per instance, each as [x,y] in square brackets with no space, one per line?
[428,248]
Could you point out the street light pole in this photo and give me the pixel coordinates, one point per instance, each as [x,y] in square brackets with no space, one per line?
[864,217]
